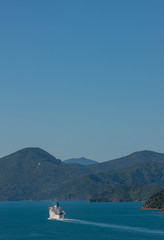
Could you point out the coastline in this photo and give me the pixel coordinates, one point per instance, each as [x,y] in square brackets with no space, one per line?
[161,210]
[143,208]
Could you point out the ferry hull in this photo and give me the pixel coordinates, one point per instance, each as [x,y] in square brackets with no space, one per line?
[52,215]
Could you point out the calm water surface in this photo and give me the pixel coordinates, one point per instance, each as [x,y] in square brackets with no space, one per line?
[84,221]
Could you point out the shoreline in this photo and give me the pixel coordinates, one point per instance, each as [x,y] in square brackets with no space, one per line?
[150,208]
[161,210]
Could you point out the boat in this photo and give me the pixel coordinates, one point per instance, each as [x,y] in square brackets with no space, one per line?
[56,212]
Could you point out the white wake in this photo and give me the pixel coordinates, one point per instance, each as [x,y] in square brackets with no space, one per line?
[114,226]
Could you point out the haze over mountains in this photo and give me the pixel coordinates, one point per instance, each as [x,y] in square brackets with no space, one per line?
[34,174]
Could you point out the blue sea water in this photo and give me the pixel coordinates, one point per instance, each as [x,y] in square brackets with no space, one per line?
[84,221]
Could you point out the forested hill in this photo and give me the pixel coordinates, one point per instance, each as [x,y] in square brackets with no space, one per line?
[127,193]
[87,186]
[155,202]
[129,161]
[34,174]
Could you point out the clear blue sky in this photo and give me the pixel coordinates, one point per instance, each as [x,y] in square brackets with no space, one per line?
[83,77]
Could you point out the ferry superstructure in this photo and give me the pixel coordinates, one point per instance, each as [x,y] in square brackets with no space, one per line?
[56,212]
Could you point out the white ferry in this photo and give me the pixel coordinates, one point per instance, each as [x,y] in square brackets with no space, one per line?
[56,212]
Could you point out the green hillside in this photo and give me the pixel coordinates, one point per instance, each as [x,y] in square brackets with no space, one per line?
[126,194]
[92,184]
[129,161]
[34,174]
[155,202]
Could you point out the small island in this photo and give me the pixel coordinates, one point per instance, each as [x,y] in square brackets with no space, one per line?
[156,202]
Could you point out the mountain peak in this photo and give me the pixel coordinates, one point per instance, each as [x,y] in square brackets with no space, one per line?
[81,160]
[32,154]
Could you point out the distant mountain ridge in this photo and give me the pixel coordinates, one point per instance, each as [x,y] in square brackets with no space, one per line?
[82,161]
[34,174]
[127,161]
